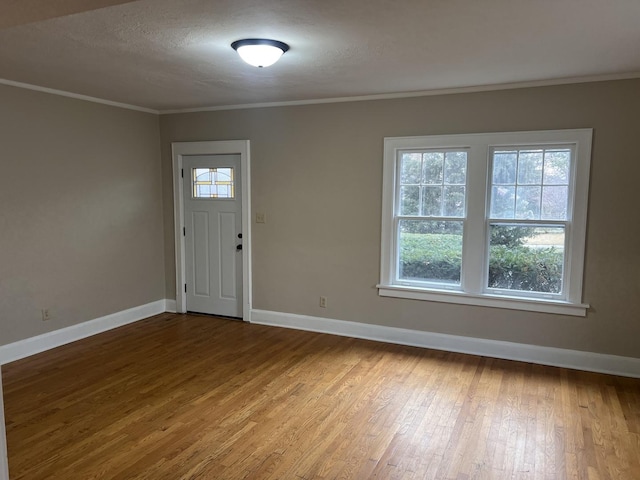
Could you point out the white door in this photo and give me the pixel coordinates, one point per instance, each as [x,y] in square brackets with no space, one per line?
[212,233]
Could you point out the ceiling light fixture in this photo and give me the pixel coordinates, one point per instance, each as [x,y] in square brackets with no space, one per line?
[259,52]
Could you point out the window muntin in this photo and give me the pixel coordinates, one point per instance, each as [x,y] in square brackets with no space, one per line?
[213,182]
[543,179]
[432,192]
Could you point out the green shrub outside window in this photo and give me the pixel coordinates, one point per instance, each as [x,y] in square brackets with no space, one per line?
[513,265]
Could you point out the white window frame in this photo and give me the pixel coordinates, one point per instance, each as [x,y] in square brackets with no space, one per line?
[472,290]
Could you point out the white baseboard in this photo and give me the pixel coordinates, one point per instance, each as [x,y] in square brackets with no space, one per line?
[557,357]
[31,346]
[170,306]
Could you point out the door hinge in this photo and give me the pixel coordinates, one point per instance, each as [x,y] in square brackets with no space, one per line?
[185,288]
[182,172]
[184,231]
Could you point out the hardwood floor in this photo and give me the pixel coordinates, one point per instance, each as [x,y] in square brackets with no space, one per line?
[195,397]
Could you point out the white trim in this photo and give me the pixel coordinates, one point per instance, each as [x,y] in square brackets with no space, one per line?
[31,346]
[170,306]
[226,147]
[556,357]
[422,93]
[4,461]
[485,300]
[77,96]
[316,101]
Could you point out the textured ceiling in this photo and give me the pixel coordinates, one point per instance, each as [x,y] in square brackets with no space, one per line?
[21,12]
[173,54]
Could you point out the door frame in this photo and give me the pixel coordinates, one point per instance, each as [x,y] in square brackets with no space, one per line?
[225,147]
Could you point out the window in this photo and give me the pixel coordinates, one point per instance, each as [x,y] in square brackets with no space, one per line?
[213,182]
[487,219]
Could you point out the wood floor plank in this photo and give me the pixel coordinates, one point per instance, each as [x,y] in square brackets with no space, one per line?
[196,397]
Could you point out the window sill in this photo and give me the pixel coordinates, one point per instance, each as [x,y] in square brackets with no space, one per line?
[486,300]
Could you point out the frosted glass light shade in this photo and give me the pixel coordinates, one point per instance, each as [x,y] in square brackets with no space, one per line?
[260,52]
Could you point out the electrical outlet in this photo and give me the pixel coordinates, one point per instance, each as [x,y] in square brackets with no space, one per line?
[46,315]
[323,302]
[261,217]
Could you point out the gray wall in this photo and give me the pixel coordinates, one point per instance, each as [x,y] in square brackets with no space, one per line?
[317,173]
[80,211]
[82,199]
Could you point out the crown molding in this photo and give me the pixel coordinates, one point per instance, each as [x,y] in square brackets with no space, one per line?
[357,98]
[62,93]
[423,93]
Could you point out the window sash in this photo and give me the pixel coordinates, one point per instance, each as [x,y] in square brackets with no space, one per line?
[571,147]
[425,283]
[562,295]
[421,186]
[399,216]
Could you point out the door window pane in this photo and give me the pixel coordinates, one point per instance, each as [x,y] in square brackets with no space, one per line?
[430,251]
[213,182]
